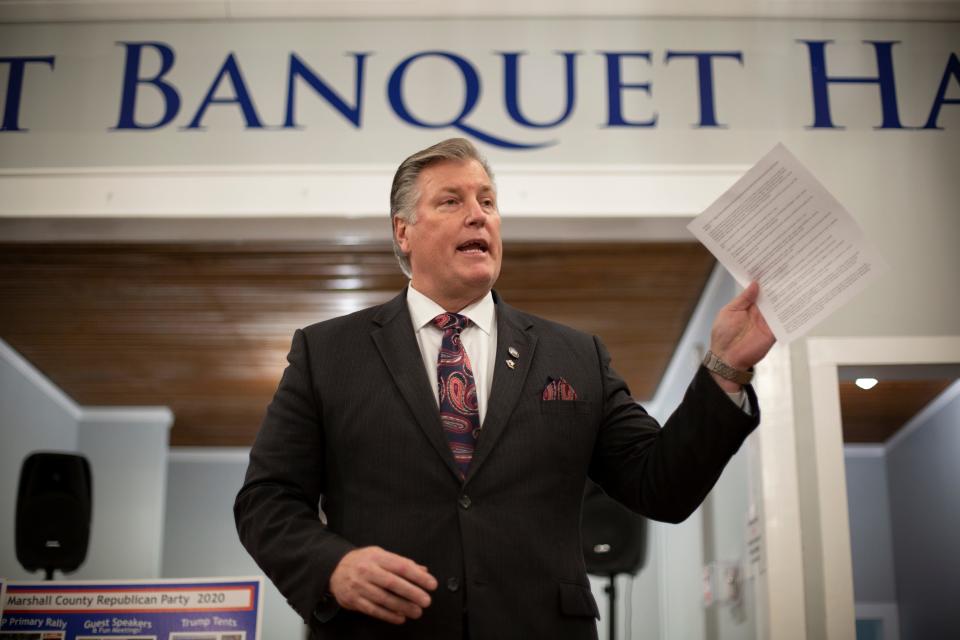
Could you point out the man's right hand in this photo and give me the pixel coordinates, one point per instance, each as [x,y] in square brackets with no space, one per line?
[382,584]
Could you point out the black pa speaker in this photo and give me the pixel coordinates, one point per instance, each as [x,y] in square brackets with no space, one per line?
[54,508]
[614,538]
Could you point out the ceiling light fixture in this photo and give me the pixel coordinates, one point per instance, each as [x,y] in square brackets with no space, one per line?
[866,383]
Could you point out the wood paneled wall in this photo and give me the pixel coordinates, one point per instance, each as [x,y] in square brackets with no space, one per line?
[204,328]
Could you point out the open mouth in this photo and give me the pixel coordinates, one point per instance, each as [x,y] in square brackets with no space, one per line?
[475,247]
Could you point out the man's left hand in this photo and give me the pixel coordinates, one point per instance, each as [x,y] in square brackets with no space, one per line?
[740,336]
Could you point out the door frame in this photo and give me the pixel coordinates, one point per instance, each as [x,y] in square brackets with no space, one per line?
[824,358]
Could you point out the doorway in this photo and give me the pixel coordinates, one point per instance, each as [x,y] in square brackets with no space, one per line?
[899,448]
[829,361]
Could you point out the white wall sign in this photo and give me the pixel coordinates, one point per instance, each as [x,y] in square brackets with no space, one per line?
[337,91]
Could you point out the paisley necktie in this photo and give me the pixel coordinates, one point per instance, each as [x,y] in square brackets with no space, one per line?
[457,391]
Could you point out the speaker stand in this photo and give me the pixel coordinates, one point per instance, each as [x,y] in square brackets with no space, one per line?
[611,591]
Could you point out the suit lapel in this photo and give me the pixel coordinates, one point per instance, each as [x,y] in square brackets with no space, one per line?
[512,331]
[396,340]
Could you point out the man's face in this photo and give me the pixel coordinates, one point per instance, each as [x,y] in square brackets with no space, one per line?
[454,245]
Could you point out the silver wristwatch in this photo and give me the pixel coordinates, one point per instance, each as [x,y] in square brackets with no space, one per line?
[722,369]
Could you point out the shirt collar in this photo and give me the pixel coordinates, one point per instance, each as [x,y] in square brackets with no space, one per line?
[423,310]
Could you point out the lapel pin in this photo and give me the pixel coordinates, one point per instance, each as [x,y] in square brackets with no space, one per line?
[511,364]
[512,351]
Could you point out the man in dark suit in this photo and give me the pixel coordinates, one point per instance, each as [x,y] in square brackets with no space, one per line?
[447,437]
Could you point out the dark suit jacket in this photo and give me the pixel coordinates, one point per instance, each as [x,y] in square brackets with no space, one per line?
[354,421]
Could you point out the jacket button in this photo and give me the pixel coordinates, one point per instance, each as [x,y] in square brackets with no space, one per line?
[453,584]
[465,501]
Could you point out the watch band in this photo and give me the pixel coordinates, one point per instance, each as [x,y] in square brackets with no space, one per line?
[713,363]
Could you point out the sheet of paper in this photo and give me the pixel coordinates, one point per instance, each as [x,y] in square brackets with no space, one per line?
[778,225]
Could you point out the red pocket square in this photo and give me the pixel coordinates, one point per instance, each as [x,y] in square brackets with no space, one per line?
[558,389]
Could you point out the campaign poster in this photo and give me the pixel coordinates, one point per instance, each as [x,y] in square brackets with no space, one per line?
[199,609]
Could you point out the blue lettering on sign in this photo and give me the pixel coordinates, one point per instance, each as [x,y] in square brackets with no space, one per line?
[708,110]
[884,79]
[616,85]
[132,79]
[148,65]
[511,88]
[11,105]
[299,69]
[952,71]
[241,96]
[471,85]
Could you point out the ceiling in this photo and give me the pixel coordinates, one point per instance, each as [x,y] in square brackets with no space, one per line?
[75,10]
[204,328]
[874,416]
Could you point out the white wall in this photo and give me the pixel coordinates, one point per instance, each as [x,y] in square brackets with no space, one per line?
[199,535]
[871,539]
[725,542]
[126,448]
[716,531]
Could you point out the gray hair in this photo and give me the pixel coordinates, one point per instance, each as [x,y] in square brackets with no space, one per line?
[404,194]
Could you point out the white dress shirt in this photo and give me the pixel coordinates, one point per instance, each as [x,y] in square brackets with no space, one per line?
[479,339]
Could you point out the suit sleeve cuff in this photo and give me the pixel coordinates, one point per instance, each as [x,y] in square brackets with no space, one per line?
[326,609]
[729,411]
[324,605]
